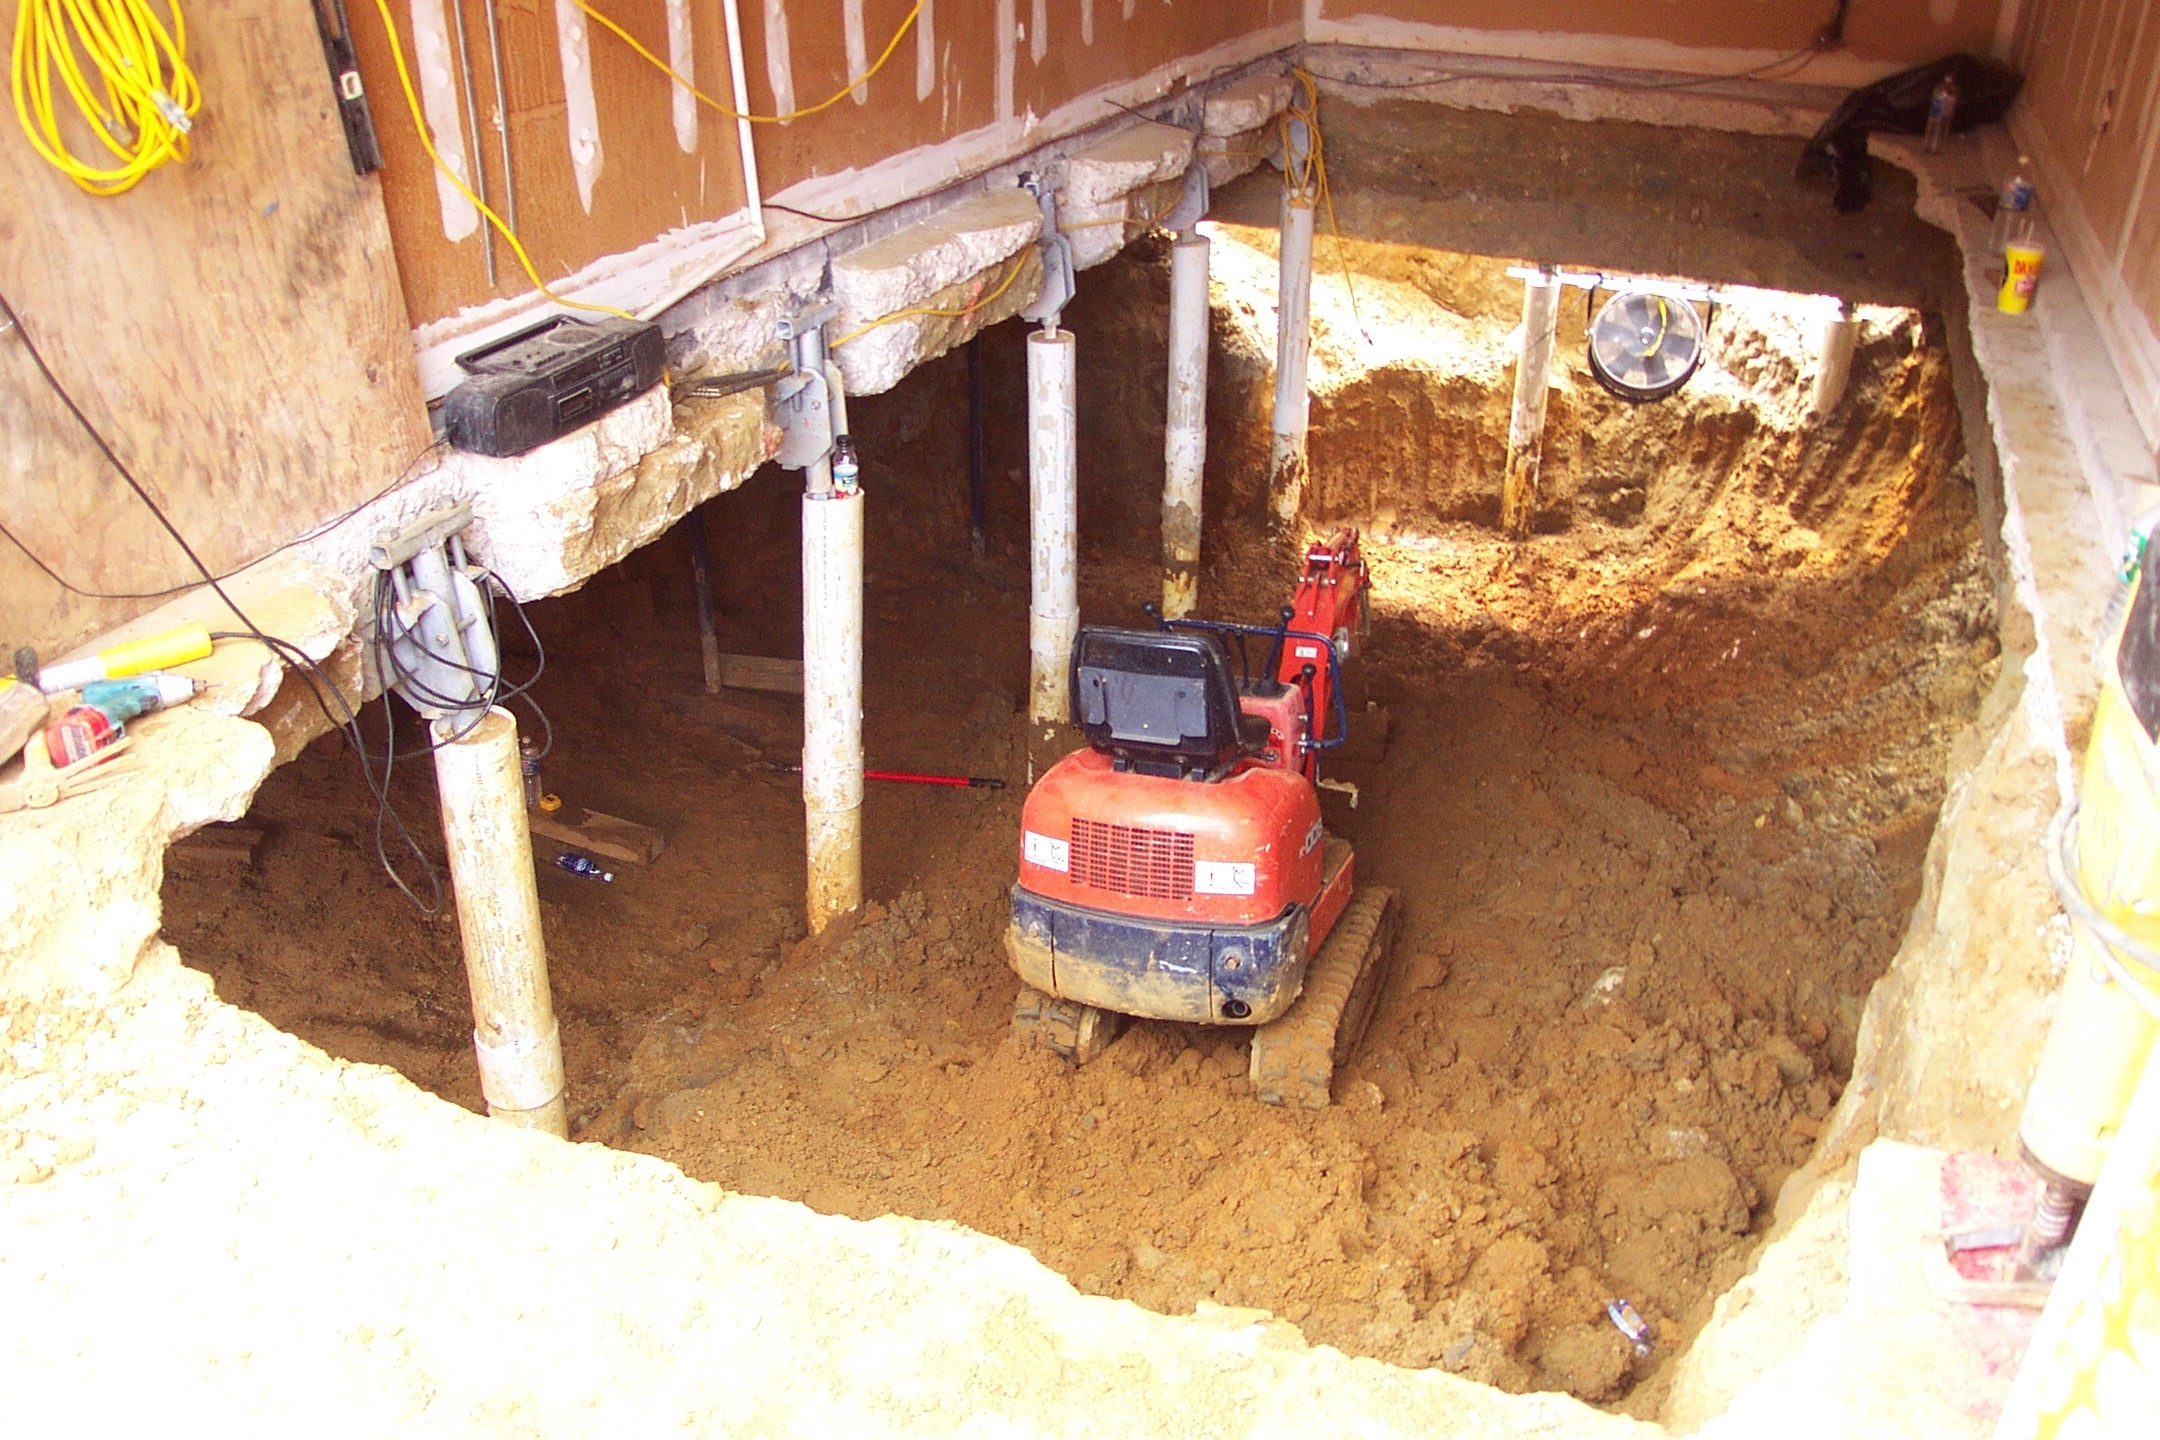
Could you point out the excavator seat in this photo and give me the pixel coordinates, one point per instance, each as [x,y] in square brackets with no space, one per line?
[1161,703]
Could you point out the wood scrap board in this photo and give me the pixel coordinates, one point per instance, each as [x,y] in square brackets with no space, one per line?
[761,672]
[607,835]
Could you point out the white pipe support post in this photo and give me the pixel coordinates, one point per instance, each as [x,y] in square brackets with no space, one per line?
[491,867]
[1185,432]
[832,539]
[1526,423]
[1053,523]
[1293,343]
[1839,338]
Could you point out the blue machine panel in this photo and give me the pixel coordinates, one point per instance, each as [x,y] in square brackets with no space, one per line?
[1234,975]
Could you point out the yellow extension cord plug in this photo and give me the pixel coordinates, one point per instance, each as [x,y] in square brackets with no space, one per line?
[124,70]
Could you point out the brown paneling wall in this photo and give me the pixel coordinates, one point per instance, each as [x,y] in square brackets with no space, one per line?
[646,184]
[2091,110]
[963,93]
[1896,31]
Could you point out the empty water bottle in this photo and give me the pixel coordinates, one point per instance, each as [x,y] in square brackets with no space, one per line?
[846,469]
[581,865]
[529,767]
[1942,112]
[2013,209]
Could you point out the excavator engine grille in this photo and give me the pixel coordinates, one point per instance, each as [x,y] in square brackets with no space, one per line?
[1132,860]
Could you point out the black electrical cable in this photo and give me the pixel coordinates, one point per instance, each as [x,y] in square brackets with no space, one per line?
[813,215]
[1806,55]
[37,358]
[320,530]
[320,686]
[385,635]
[349,727]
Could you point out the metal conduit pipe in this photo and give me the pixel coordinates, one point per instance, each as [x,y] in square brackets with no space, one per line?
[1839,338]
[1185,431]
[491,866]
[1293,340]
[1053,522]
[1521,485]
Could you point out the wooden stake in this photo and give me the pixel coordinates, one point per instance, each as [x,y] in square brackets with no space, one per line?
[701,575]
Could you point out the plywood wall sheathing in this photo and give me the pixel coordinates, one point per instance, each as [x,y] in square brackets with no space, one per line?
[233,325]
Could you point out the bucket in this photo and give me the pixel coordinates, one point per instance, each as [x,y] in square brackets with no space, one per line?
[2022,277]
[2104,857]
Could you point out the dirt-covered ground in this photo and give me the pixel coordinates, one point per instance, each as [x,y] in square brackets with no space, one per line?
[1655,789]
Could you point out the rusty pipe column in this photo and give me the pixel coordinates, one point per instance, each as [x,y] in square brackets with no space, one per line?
[1526,424]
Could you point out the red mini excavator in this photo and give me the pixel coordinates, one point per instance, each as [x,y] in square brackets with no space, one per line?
[1177,869]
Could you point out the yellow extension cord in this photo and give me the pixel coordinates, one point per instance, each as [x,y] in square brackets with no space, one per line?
[517,247]
[1309,183]
[137,96]
[823,105]
[963,313]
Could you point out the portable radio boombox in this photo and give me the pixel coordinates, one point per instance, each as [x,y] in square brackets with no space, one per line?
[548,379]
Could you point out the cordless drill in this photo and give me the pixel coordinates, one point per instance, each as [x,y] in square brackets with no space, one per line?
[107,706]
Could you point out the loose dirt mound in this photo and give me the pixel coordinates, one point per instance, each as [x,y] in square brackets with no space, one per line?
[1654,790]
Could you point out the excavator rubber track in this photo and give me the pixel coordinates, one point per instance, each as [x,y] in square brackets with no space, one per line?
[1065,1028]
[1294,1058]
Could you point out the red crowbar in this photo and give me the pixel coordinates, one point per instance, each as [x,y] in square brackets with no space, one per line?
[910,777]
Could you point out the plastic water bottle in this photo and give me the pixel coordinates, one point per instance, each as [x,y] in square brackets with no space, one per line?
[529,768]
[846,469]
[2013,209]
[582,865]
[1942,110]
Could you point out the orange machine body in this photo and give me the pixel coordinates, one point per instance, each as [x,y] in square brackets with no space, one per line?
[1199,898]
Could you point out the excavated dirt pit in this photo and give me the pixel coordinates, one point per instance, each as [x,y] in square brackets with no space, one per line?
[1655,787]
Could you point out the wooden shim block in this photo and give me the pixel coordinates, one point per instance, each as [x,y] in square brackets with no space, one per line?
[215,847]
[608,835]
[761,672]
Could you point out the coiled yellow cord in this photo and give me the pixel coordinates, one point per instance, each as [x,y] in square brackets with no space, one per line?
[144,99]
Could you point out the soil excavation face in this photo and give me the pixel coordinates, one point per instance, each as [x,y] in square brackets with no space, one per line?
[1655,790]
